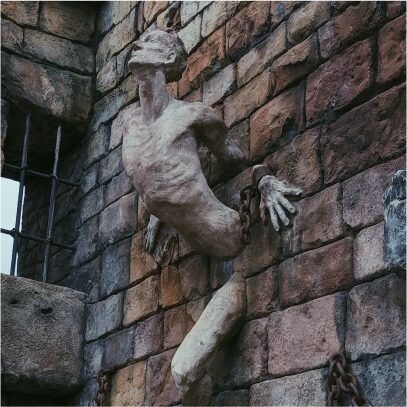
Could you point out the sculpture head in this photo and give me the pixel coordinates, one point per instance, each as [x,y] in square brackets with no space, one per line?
[156,49]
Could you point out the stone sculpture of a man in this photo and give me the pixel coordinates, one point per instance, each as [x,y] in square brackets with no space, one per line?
[160,156]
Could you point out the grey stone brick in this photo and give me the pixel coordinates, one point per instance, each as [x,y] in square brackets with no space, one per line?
[87,241]
[119,186]
[119,348]
[111,165]
[92,359]
[92,204]
[232,398]
[97,145]
[148,336]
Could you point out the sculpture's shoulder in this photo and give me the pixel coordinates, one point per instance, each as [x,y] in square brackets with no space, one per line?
[197,112]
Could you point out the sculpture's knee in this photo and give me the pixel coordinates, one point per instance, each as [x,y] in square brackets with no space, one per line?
[182,373]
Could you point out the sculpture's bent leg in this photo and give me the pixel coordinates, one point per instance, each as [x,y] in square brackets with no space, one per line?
[218,322]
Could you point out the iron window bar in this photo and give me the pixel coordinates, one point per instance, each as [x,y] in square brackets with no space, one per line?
[24,171]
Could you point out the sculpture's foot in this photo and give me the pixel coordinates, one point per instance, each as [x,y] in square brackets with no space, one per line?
[218,322]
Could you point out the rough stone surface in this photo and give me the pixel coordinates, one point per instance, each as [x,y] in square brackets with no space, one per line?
[92,359]
[219,85]
[362,137]
[142,263]
[362,194]
[119,186]
[282,117]
[318,220]
[368,252]
[31,361]
[339,81]
[128,385]
[315,329]
[104,316]
[194,277]
[232,398]
[316,273]
[141,300]
[111,165]
[91,204]
[22,12]
[148,336]
[112,13]
[376,317]
[119,349]
[217,14]
[280,10]
[153,8]
[191,34]
[395,8]
[189,9]
[97,145]
[170,287]
[119,123]
[108,76]
[11,35]
[305,389]
[86,243]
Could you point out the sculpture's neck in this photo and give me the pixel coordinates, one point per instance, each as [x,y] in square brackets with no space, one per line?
[153,95]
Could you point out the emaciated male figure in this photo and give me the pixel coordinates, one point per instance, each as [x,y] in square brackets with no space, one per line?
[160,156]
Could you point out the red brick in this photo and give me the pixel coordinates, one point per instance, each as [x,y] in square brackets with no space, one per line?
[280,9]
[170,287]
[245,27]
[305,336]
[244,101]
[339,81]
[392,50]
[295,63]
[317,272]
[318,220]
[366,135]
[297,163]
[153,8]
[194,276]
[277,119]
[348,26]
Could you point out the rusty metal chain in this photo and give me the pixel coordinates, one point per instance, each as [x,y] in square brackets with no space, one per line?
[101,394]
[341,382]
[246,196]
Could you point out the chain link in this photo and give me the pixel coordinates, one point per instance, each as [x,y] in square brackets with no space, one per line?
[101,394]
[246,196]
[341,382]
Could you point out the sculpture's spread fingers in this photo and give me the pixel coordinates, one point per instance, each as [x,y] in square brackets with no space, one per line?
[292,191]
[263,212]
[281,214]
[273,216]
[286,203]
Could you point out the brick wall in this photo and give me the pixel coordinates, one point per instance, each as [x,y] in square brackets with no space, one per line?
[317,90]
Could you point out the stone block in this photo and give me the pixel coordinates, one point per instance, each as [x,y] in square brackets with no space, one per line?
[104,316]
[368,252]
[306,20]
[392,50]
[111,165]
[42,335]
[348,26]
[119,349]
[258,58]
[121,62]
[280,10]
[295,64]
[219,85]
[362,194]
[119,124]
[220,272]
[112,13]
[376,317]
[87,395]
[58,51]
[316,330]
[108,76]
[339,81]
[217,14]
[297,163]
[88,181]
[189,9]
[142,263]
[92,359]
[22,12]
[11,36]
[148,336]
[97,144]
[317,272]
[128,385]
[118,220]
[232,398]
[115,268]
[383,380]
[244,101]
[119,186]
[170,287]
[194,276]
[246,27]
[279,119]
[152,8]
[141,300]
[395,8]
[262,293]
[318,221]
[191,34]
[91,204]
[160,385]
[86,242]
[305,389]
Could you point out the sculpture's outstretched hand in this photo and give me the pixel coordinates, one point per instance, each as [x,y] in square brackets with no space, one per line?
[272,192]
[150,234]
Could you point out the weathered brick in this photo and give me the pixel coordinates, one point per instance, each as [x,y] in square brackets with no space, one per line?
[111,165]
[119,125]
[348,26]
[119,186]
[108,76]
[87,394]
[279,119]
[111,13]
[170,287]
[368,252]
[232,398]
[339,81]
[376,317]
[160,385]
[92,204]
[97,145]
[92,359]
[128,385]
[194,276]
[246,27]
[280,9]
[219,85]
[191,34]
[262,293]
[318,220]
[195,96]
[189,9]
[290,390]
[152,9]
[121,62]
[142,214]
[306,20]
[359,139]
[216,14]
[88,182]
[362,194]
[392,50]
[148,336]
[87,241]
[383,379]
[296,63]
[240,104]
[118,349]
[115,268]
[258,58]
[22,12]
[104,316]
[317,272]
[118,220]
[298,163]
[395,8]
[11,36]
[316,330]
